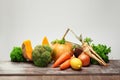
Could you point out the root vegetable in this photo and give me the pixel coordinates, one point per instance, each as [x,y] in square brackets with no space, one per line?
[89,51]
[65,64]
[85,59]
[61,59]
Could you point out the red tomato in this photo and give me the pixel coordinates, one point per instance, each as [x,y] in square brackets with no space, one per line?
[85,59]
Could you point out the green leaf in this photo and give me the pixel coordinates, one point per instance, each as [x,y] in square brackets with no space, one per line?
[62,41]
[88,40]
[102,51]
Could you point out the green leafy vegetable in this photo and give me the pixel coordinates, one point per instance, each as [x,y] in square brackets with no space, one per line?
[88,40]
[101,49]
[16,55]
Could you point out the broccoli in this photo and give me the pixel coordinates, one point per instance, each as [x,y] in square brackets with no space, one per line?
[41,55]
[16,55]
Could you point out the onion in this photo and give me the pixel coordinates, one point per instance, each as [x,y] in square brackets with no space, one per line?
[85,59]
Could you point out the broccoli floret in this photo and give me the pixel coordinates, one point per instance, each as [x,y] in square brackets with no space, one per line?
[47,48]
[41,55]
[16,55]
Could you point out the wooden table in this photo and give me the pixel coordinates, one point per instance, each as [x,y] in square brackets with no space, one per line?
[27,71]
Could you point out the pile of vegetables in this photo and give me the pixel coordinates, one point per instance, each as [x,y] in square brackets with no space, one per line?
[94,51]
[87,53]
[101,49]
[60,52]
[41,55]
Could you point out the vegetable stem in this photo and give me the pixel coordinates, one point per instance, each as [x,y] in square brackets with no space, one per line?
[65,33]
[79,38]
[75,35]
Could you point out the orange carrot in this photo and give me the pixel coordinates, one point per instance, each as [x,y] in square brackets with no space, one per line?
[62,58]
[65,64]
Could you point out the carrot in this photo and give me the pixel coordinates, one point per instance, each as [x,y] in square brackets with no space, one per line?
[65,64]
[62,58]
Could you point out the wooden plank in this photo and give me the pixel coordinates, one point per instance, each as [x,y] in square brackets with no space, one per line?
[8,68]
[83,77]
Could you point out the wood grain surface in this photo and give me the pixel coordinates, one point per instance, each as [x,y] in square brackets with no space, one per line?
[15,68]
[27,71]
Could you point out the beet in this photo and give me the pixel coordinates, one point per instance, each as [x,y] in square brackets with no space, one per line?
[78,51]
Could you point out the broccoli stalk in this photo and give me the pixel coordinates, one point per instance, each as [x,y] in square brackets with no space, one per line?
[16,55]
[41,55]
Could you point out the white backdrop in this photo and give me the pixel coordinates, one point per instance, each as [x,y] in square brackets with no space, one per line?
[34,19]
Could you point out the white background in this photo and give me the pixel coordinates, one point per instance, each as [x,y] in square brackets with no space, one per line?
[34,19]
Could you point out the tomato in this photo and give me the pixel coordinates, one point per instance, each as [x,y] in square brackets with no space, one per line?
[85,59]
[59,49]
